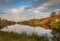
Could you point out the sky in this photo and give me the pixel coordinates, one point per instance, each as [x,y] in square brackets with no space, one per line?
[21,10]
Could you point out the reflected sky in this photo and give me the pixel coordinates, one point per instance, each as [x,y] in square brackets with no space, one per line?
[29,30]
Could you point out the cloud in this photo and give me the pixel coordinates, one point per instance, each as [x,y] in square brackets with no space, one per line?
[16,14]
[51,2]
[37,9]
[22,14]
[13,14]
[48,5]
[8,3]
[7,0]
[15,10]
[38,3]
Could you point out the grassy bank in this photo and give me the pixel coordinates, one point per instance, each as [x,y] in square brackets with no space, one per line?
[6,36]
[10,36]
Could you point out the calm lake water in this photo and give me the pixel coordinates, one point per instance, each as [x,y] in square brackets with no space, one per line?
[28,29]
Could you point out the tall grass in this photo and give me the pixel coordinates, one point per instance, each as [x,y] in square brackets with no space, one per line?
[10,36]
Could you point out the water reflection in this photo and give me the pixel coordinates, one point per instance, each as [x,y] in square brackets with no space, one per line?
[23,28]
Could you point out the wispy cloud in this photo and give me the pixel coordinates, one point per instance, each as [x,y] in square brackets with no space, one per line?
[38,8]
[49,5]
[51,2]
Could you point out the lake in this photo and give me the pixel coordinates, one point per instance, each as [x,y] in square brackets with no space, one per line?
[28,29]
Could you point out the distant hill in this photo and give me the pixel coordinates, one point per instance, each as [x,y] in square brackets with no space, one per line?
[4,23]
